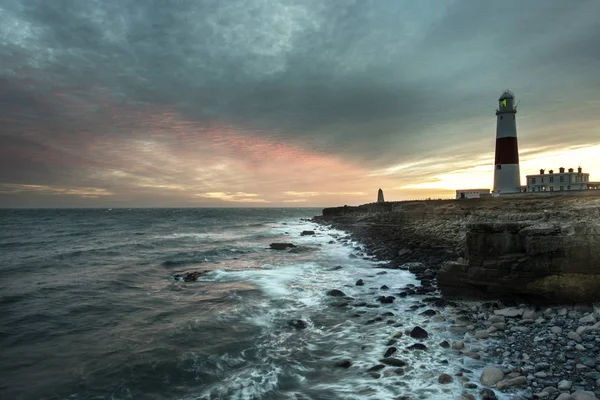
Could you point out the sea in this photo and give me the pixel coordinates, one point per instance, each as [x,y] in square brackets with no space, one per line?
[91,308]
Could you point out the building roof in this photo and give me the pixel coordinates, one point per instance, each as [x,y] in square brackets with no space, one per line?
[507,95]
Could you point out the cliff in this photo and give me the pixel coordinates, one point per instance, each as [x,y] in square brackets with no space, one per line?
[539,248]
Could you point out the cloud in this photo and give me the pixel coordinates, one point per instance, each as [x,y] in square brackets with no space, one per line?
[235,197]
[275,96]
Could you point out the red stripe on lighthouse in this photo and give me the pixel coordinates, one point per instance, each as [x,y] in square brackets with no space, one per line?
[507,151]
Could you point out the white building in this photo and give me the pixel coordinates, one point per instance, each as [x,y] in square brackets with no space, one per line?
[472,193]
[561,181]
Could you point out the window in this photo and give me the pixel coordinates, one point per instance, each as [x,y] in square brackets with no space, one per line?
[552,188]
[568,187]
[542,180]
[551,179]
[562,179]
[498,166]
[533,180]
[562,188]
[501,117]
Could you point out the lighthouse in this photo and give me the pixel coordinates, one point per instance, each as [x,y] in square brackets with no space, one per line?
[507,176]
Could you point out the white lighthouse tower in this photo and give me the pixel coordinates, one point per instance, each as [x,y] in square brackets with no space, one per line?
[507,176]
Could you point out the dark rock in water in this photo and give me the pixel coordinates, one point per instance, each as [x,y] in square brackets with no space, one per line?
[281,246]
[435,301]
[444,378]
[298,324]
[336,293]
[394,362]
[301,249]
[359,282]
[361,304]
[381,273]
[445,345]
[344,364]
[389,352]
[387,314]
[419,333]
[372,306]
[340,304]
[375,375]
[391,342]
[386,299]
[384,287]
[402,294]
[306,233]
[428,313]
[337,267]
[487,394]
[331,242]
[376,368]
[189,276]
[417,346]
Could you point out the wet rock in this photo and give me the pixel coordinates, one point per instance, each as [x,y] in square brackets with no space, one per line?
[584,395]
[382,273]
[336,268]
[470,385]
[565,396]
[359,282]
[298,324]
[444,379]
[386,299]
[429,313]
[564,385]
[398,335]
[384,287]
[191,276]
[510,312]
[387,314]
[490,376]
[419,333]
[482,334]
[344,364]
[417,346]
[301,249]
[445,345]
[487,394]
[506,383]
[394,362]
[281,246]
[472,355]
[336,293]
[458,345]
[376,368]
[375,375]
[399,371]
[389,352]
[466,396]
[307,233]
[391,342]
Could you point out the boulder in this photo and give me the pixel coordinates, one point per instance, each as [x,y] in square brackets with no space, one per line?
[390,351]
[359,282]
[298,324]
[507,383]
[336,293]
[444,379]
[307,233]
[394,362]
[490,376]
[281,246]
[419,333]
[344,364]
[191,276]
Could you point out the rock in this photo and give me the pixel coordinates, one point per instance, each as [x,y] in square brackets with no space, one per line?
[306,233]
[574,336]
[506,383]
[389,352]
[482,334]
[375,375]
[490,376]
[384,287]
[584,395]
[394,362]
[588,319]
[281,246]
[499,326]
[336,293]
[565,396]
[404,251]
[191,276]
[428,313]
[496,318]
[472,355]
[487,394]
[376,368]
[557,330]
[564,385]
[398,335]
[359,282]
[298,324]
[510,312]
[445,345]
[529,314]
[444,379]
[415,267]
[417,346]
[458,345]
[419,333]
[466,396]
[344,364]
[386,299]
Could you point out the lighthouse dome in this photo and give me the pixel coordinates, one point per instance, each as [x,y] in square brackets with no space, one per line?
[507,95]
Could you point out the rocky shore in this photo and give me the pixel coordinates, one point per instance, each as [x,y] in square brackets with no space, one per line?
[534,347]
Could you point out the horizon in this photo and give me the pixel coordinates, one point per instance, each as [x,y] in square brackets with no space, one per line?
[283,105]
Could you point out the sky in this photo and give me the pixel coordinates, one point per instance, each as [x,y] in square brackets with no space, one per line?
[293,103]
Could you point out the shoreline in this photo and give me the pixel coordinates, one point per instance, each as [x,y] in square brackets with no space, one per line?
[530,351]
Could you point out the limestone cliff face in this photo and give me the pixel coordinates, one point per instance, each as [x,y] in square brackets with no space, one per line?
[553,261]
